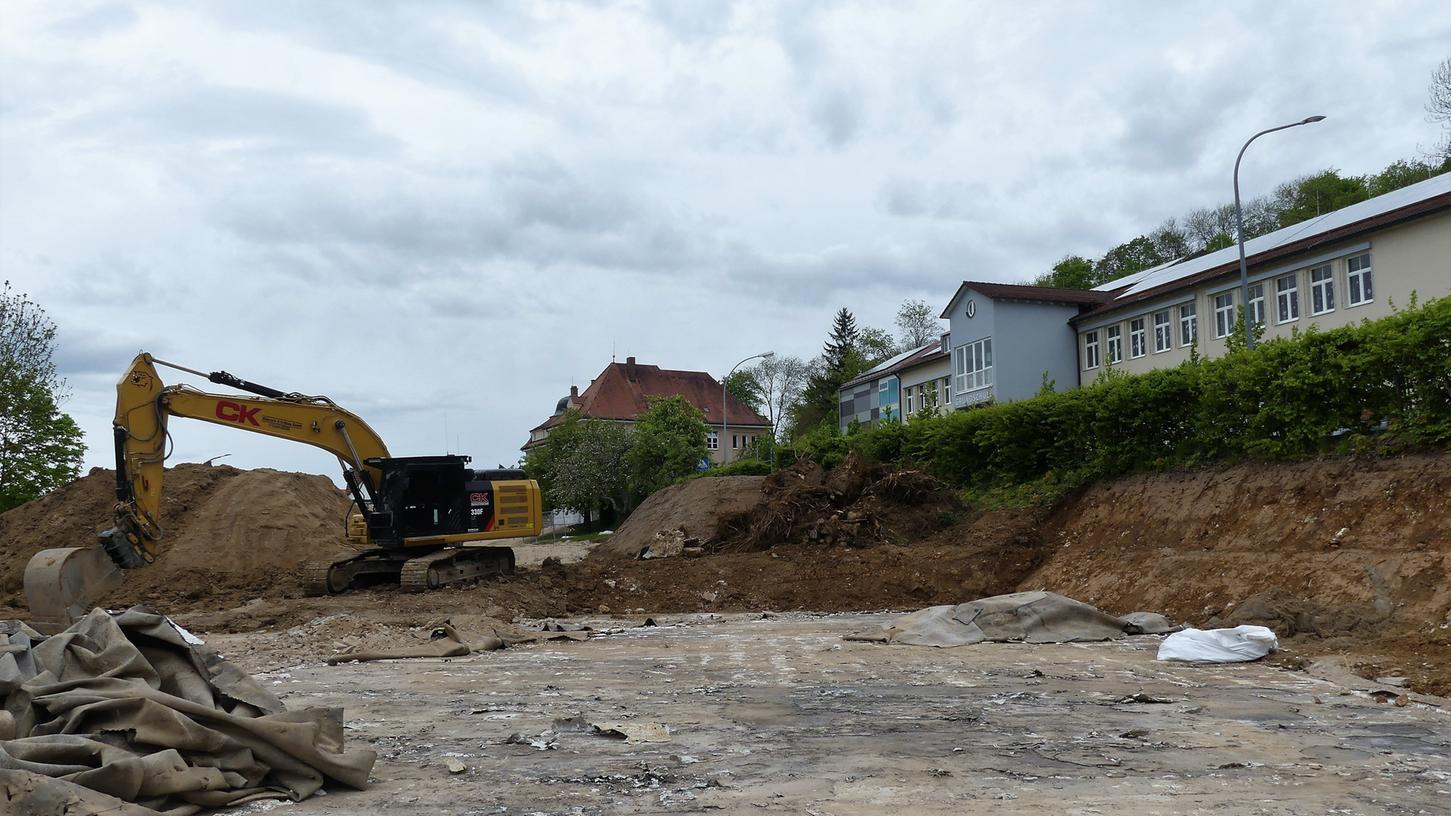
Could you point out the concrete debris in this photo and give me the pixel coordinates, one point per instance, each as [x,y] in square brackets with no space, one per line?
[454,766]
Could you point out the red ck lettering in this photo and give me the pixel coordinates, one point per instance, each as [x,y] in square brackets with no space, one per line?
[236,412]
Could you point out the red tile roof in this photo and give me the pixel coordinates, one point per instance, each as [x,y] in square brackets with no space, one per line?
[622,390]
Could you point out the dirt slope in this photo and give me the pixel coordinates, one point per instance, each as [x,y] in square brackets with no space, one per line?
[230,533]
[695,508]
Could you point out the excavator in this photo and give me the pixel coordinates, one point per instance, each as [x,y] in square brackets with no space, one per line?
[410,522]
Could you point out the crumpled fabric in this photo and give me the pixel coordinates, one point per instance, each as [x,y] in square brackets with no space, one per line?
[122,709]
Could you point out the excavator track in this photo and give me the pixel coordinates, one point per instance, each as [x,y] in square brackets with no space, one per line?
[460,565]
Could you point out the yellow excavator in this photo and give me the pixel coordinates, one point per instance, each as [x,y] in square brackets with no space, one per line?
[411,520]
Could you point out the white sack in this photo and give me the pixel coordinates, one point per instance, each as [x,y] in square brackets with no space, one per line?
[1235,645]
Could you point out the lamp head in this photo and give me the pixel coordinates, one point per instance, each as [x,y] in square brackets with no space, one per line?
[1310,120]
[769,354]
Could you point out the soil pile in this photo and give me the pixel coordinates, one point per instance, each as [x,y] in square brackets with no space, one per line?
[230,534]
[695,508]
[855,504]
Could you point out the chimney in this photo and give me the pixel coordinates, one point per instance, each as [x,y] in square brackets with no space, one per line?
[630,369]
[573,393]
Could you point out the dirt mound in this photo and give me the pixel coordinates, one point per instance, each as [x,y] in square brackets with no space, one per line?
[855,504]
[230,533]
[695,508]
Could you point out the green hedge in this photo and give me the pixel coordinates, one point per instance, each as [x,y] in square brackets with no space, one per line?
[1345,389]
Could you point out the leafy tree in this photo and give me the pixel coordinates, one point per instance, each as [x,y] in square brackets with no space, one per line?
[1314,195]
[542,462]
[1400,174]
[1170,241]
[1127,258]
[875,346]
[743,385]
[592,472]
[1072,272]
[669,444]
[40,447]
[918,324]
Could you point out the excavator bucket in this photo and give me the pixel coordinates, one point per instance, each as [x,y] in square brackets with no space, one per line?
[62,585]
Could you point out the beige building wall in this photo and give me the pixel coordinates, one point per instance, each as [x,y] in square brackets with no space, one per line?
[1413,257]
[914,385]
[724,453]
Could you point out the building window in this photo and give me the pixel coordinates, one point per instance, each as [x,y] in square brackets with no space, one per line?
[1090,350]
[1163,336]
[1223,314]
[1115,342]
[1322,290]
[1188,324]
[1357,279]
[712,440]
[973,364]
[1137,344]
[1257,304]
[947,390]
[908,392]
[1287,299]
[735,441]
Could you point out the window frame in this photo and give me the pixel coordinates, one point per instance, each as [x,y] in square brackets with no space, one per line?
[1362,278]
[974,378]
[1324,287]
[1257,303]
[1113,338]
[1294,298]
[1188,323]
[1090,350]
[1163,331]
[1138,338]
[712,440]
[1223,316]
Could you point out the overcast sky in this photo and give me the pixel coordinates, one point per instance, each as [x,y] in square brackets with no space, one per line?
[443,214]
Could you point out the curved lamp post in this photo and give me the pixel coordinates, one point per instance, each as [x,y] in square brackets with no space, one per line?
[1249,334]
[723,416]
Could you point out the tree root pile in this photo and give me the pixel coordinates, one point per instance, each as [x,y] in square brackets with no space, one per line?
[856,504]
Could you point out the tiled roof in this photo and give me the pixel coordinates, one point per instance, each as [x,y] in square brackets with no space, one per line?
[622,390]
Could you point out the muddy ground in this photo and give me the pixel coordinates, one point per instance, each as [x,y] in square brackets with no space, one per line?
[781,715]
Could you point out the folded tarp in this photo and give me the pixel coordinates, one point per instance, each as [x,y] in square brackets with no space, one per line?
[1238,645]
[124,706]
[1028,617]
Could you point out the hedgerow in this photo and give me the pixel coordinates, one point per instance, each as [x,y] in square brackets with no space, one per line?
[1380,383]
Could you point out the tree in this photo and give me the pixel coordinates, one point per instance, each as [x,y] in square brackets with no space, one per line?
[669,444]
[918,324]
[40,447]
[843,341]
[1072,272]
[779,380]
[1127,258]
[1438,108]
[743,385]
[875,346]
[1400,174]
[1310,196]
[591,472]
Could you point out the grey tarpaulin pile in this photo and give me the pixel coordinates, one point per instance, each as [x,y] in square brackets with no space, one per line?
[1029,617]
[123,709]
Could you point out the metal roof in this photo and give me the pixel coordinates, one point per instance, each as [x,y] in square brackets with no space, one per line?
[1130,285]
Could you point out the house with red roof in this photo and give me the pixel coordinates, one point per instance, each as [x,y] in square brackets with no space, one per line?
[622,392]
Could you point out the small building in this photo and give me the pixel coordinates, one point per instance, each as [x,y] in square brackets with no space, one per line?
[1005,339]
[909,383]
[621,393]
[1352,264]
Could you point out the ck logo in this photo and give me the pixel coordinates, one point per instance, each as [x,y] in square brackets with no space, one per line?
[236,412]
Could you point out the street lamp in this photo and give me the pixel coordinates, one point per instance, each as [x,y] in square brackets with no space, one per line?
[1249,334]
[724,417]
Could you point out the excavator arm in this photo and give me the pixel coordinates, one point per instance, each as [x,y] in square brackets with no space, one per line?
[143,405]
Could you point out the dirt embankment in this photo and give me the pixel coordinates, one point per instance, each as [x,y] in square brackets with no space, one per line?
[231,534]
[694,508]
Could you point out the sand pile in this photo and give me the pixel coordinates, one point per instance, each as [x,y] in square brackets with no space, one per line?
[695,508]
[230,533]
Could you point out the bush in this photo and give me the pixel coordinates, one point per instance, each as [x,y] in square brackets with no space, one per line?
[1336,390]
[743,467]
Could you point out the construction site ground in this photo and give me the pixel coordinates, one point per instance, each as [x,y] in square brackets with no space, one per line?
[779,714]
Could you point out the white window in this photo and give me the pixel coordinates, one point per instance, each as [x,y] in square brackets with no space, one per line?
[735,441]
[1287,299]
[1163,335]
[1188,324]
[1322,290]
[974,365]
[1137,340]
[712,440]
[946,390]
[908,392]
[1257,304]
[1115,342]
[1223,314]
[1090,349]
[1357,279]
